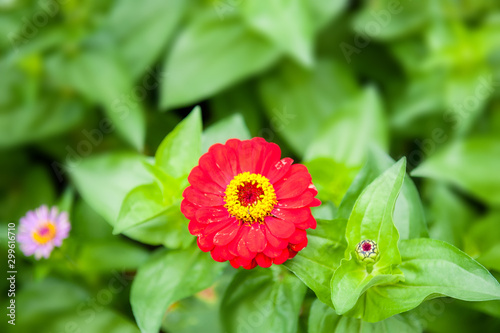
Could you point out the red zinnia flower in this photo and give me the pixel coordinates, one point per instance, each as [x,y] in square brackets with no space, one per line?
[249,206]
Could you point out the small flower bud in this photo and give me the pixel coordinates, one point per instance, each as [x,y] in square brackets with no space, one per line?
[367,251]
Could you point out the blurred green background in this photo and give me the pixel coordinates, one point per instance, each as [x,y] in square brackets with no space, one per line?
[326,80]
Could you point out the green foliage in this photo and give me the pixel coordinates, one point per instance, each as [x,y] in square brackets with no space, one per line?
[316,263]
[323,319]
[262,300]
[469,165]
[431,269]
[167,277]
[345,88]
[225,129]
[113,175]
[225,45]
[180,150]
[408,213]
[295,98]
[371,218]
[147,28]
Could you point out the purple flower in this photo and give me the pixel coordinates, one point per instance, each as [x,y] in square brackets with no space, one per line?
[41,230]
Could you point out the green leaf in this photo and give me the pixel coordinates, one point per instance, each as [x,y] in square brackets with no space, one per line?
[325,11]
[225,45]
[111,255]
[315,264]
[101,77]
[295,98]
[147,28]
[482,240]
[432,269]
[387,20]
[468,164]
[371,218]
[286,23]
[225,129]
[449,215]
[408,214]
[323,319]
[20,194]
[171,188]
[66,200]
[262,300]
[491,308]
[331,179]
[167,277]
[180,150]
[37,115]
[88,226]
[143,203]
[146,216]
[105,320]
[241,99]
[201,312]
[47,298]
[47,118]
[104,180]
[348,133]
[352,279]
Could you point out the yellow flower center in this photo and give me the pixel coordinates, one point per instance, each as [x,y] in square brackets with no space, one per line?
[250,197]
[44,233]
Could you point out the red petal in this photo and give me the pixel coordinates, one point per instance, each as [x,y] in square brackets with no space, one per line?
[225,158]
[198,179]
[212,214]
[239,261]
[292,215]
[282,257]
[233,144]
[315,203]
[271,251]
[256,241]
[196,228]
[300,246]
[277,171]
[226,235]
[302,225]
[313,189]
[296,181]
[279,228]
[210,167]
[300,201]
[233,244]
[272,156]
[250,155]
[292,253]
[188,208]
[202,199]
[311,223]
[220,254]
[252,264]
[205,242]
[298,236]
[275,241]
[214,228]
[263,260]
[234,263]
[242,248]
